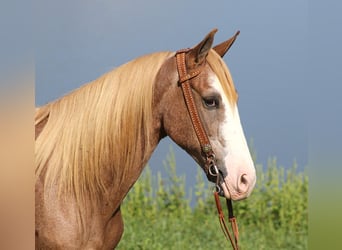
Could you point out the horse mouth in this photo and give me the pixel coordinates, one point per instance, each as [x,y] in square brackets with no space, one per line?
[223,190]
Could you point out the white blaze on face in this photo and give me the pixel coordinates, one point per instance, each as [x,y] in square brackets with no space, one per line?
[231,145]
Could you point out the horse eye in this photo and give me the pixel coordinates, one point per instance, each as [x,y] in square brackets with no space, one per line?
[211,102]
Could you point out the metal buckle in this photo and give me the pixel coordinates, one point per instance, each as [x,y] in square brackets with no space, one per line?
[206,148]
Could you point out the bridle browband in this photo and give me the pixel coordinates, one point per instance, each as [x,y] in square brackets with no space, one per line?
[185,77]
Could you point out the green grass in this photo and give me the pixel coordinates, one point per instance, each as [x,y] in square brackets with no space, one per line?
[157,212]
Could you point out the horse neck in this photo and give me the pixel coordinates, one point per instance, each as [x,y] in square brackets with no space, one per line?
[141,160]
[156,131]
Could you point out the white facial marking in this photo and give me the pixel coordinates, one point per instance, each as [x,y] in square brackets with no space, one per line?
[231,146]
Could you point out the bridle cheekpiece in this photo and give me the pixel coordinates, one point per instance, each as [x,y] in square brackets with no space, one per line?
[210,168]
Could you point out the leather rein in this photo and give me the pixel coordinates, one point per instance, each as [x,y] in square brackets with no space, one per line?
[185,78]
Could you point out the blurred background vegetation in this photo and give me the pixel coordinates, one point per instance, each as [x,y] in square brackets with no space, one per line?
[159,213]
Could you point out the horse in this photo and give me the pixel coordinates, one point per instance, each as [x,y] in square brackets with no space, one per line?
[92,144]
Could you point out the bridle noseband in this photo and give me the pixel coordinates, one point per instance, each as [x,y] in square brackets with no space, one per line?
[185,77]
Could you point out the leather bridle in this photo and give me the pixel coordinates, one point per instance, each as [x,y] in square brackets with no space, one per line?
[185,77]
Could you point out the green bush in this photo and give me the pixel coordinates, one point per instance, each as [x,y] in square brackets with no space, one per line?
[158,215]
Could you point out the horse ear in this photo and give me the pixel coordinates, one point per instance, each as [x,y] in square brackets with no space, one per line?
[201,50]
[222,48]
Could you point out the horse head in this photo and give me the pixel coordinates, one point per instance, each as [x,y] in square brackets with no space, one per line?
[215,99]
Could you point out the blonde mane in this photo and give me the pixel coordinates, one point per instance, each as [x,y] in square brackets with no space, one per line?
[222,72]
[102,124]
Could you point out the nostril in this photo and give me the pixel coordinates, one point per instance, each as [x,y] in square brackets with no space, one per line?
[244,179]
[243,184]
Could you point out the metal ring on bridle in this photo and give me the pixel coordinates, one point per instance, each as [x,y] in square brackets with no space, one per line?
[213,172]
[218,189]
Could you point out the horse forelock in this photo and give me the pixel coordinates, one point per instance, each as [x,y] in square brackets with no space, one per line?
[98,127]
[222,72]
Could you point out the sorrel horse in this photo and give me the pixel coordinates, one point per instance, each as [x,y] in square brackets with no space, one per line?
[92,144]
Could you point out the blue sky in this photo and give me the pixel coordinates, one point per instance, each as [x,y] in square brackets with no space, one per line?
[77,41]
